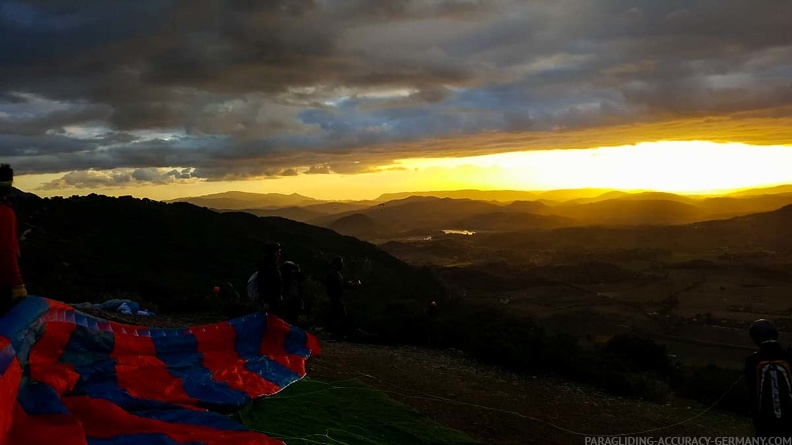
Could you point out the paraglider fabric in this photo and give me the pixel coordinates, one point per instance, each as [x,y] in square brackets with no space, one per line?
[72,379]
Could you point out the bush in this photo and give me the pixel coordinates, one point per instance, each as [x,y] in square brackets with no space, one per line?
[707,384]
[634,353]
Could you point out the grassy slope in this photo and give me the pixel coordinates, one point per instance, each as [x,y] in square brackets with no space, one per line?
[343,412]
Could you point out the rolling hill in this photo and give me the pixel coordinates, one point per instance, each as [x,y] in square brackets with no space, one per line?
[171,255]
[245,200]
[478,195]
[360,226]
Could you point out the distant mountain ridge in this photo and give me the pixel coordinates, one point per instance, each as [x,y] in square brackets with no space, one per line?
[246,200]
[415,213]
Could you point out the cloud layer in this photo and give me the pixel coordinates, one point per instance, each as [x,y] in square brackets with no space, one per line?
[249,89]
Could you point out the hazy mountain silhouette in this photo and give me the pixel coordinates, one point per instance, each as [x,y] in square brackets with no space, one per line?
[479,195]
[245,200]
[786,188]
[660,208]
[729,206]
[570,194]
[499,209]
[628,212]
[419,212]
[301,214]
[769,230]
[502,195]
[305,213]
[526,207]
[508,221]
[360,226]
[662,196]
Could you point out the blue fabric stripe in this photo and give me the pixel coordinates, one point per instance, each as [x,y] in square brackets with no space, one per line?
[20,316]
[139,439]
[7,356]
[272,371]
[21,325]
[87,345]
[250,333]
[166,412]
[180,354]
[297,342]
[37,398]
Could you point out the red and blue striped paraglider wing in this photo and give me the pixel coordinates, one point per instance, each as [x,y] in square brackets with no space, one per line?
[73,379]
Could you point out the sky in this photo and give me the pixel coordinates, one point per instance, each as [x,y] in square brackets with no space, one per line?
[347,99]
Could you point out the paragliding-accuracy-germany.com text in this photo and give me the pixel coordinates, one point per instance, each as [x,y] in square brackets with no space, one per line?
[681,440]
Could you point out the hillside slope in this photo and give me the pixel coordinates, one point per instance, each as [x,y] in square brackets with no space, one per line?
[499,407]
[171,255]
[244,200]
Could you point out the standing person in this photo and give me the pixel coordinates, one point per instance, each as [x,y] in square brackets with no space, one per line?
[269,281]
[293,302]
[334,286]
[12,287]
[768,374]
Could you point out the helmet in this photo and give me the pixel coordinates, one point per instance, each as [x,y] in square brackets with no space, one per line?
[762,330]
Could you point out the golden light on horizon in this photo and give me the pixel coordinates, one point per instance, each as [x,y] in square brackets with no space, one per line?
[670,166]
[700,167]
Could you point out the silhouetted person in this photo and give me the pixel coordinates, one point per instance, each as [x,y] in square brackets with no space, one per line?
[269,283]
[293,302]
[768,374]
[334,286]
[12,287]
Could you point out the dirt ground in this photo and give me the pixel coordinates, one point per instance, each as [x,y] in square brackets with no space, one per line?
[498,407]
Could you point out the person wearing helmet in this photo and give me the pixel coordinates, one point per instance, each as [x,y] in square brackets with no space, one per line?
[12,287]
[768,374]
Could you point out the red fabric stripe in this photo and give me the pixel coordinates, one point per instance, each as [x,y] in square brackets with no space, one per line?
[217,344]
[9,388]
[58,305]
[60,429]
[142,374]
[102,419]
[44,365]
[272,345]
[313,345]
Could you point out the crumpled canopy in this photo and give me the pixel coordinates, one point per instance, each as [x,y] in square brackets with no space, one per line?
[69,378]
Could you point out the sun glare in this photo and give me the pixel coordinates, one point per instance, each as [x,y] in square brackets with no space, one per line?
[672,166]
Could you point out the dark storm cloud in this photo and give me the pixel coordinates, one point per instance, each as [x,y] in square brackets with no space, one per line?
[243,88]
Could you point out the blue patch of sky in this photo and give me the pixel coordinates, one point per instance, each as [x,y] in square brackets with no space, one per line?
[497,107]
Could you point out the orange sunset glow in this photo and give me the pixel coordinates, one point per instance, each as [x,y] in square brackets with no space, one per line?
[686,167]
